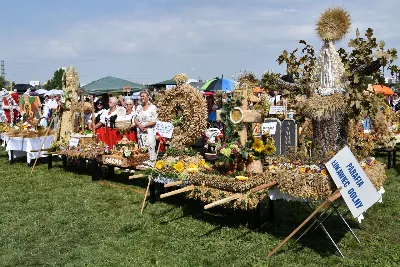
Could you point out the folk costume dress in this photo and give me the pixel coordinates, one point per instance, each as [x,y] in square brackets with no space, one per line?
[100,132]
[147,139]
[112,136]
[131,135]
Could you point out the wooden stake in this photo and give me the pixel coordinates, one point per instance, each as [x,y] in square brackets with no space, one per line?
[44,139]
[223,201]
[175,192]
[136,176]
[330,199]
[148,184]
[238,195]
[145,195]
[263,186]
[173,184]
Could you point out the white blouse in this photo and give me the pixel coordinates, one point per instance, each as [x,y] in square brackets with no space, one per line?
[105,116]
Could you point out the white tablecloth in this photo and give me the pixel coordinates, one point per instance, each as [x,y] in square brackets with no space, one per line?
[23,146]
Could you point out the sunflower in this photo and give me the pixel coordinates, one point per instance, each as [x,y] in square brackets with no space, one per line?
[179,166]
[160,164]
[191,165]
[192,168]
[258,145]
[202,162]
[269,149]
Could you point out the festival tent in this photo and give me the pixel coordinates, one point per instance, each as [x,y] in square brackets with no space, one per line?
[110,84]
[164,84]
[382,89]
[41,91]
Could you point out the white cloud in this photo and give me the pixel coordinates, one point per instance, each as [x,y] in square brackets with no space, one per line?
[205,39]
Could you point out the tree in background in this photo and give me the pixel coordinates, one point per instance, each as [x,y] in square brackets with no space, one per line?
[56,81]
[269,81]
[249,77]
[3,82]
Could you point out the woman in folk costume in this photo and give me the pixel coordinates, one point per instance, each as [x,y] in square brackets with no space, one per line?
[95,123]
[130,115]
[146,118]
[108,119]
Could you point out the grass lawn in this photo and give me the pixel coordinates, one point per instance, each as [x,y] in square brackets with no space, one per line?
[57,218]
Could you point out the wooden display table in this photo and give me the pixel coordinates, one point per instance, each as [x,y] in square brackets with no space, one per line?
[391,155]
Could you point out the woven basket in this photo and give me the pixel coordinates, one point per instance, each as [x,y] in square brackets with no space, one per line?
[120,161]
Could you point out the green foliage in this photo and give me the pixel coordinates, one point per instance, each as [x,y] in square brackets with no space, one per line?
[249,77]
[3,82]
[301,68]
[57,81]
[58,218]
[269,81]
[366,52]
[231,130]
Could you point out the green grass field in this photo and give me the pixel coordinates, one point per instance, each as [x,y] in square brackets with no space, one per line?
[57,218]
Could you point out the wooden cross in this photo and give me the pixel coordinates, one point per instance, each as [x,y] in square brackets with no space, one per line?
[249,116]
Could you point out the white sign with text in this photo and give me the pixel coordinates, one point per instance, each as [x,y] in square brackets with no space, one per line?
[73,142]
[169,87]
[276,110]
[357,190]
[165,129]
[269,127]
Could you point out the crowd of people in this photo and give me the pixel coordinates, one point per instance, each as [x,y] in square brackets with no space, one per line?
[142,115]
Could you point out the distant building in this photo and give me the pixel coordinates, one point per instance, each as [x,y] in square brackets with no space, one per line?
[34,83]
[390,80]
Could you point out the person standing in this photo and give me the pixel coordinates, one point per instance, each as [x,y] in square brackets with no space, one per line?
[130,115]
[146,118]
[108,119]
[95,124]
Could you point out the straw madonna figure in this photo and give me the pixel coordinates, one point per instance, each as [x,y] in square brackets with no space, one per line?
[327,108]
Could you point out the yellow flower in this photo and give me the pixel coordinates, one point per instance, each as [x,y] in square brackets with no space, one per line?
[160,164]
[258,145]
[179,166]
[269,149]
[302,170]
[202,162]
[191,170]
[324,172]
[191,165]
[206,166]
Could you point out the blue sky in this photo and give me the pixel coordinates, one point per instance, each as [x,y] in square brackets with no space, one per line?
[148,41]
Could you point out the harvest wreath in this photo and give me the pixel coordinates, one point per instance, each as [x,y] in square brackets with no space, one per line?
[184,106]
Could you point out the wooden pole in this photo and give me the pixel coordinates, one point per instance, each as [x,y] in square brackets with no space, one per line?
[238,195]
[175,192]
[136,176]
[330,199]
[223,201]
[263,186]
[44,139]
[145,195]
[173,184]
[93,118]
[82,113]
[148,184]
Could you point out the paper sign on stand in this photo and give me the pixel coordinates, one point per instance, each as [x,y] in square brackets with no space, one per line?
[277,110]
[165,129]
[269,127]
[357,190]
[73,142]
